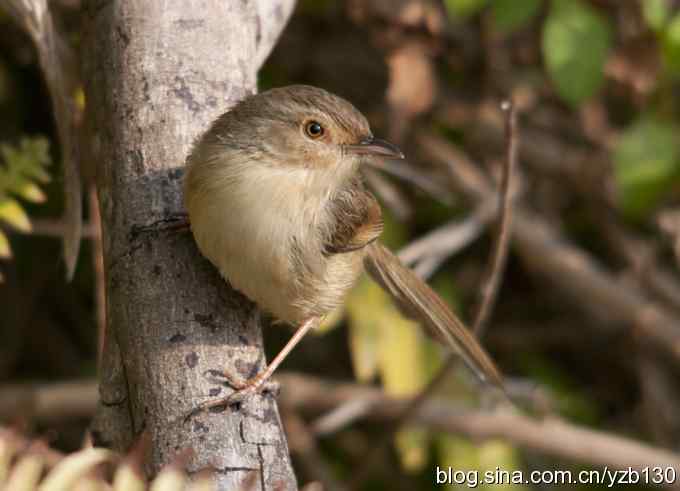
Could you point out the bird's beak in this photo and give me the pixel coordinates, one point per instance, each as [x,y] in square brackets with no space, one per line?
[376,147]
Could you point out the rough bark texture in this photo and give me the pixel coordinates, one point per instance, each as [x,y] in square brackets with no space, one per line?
[157,73]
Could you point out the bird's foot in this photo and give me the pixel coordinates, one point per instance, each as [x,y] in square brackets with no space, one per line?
[243,389]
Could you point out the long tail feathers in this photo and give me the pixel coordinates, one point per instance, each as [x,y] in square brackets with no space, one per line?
[419,302]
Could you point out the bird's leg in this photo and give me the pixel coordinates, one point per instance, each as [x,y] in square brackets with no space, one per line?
[253,385]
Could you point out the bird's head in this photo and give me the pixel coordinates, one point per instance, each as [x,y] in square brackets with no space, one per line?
[298,127]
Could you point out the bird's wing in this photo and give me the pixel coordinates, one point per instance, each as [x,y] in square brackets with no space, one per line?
[419,302]
[357,221]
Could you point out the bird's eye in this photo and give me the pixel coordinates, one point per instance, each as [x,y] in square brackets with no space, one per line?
[314,130]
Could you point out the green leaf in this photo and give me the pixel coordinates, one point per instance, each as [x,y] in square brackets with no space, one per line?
[12,213]
[645,163]
[655,13]
[464,8]
[510,15]
[575,44]
[5,250]
[670,45]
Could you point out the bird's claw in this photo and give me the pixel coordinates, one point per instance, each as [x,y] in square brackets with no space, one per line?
[242,391]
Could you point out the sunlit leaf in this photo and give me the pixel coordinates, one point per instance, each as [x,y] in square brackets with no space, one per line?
[169,479]
[70,469]
[412,445]
[646,160]
[671,45]
[26,473]
[365,306]
[127,478]
[510,15]
[404,370]
[12,213]
[30,192]
[79,98]
[655,13]
[575,44]
[476,461]
[464,8]
[5,250]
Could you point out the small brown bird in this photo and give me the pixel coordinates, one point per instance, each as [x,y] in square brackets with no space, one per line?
[276,202]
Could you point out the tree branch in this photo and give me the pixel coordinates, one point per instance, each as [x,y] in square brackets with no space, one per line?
[549,436]
[157,74]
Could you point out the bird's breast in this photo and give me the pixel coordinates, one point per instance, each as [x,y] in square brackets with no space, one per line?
[262,230]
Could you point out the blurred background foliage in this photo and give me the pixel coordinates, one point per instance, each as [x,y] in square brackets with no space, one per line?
[597,84]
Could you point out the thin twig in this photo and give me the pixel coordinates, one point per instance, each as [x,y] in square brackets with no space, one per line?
[389,194]
[496,265]
[341,417]
[47,403]
[408,173]
[48,227]
[98,266]
[450,238]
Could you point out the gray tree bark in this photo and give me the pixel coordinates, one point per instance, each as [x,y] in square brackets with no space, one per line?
[157,73]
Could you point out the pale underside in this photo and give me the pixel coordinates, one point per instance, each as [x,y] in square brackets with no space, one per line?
[266,236]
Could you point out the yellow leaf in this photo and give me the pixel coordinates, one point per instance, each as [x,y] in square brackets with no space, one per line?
[403,364]
[69,470]
[364,309]
[5,250]
[412,446]
[31,192]
[7,451]
[12,213]
[26,473]
[79,98]
[169,479]
[128,479]
[460,454]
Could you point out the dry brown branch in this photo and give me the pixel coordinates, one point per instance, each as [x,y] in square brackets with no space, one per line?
[568,268]
[48,403]
[660,408]
[550,436]
[47,227]
[641,255]
[58,66]
[499,253]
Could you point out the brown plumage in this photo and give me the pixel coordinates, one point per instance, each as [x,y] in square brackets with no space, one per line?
[277,204]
